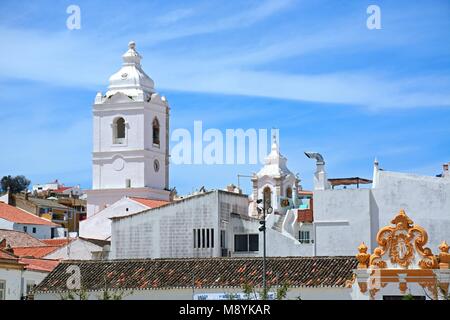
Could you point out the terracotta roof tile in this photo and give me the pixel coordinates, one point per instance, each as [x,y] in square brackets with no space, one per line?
[5,255]
[150,202]
[57,242]
[39,264]
[17,215]
[19,239]
[35,252]
[206,273]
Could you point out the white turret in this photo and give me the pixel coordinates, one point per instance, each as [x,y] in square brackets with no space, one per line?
[131,80]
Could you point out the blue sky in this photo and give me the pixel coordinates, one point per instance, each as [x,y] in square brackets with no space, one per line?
[310,68]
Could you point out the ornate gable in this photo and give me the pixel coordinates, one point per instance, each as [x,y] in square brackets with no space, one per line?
[401,258]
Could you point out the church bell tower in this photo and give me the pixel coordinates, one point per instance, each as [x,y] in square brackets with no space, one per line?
[131,138]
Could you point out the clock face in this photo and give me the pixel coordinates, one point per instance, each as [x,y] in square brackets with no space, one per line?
[156,165]
[118,164]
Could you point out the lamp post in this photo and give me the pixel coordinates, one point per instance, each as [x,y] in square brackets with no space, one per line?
[266,209]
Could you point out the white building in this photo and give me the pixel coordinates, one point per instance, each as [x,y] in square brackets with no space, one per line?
[275,184]
[12,218]
[130,147]
[349,216]
[187,279]
[80,249]
[197,226]
[19,276]
[98,226]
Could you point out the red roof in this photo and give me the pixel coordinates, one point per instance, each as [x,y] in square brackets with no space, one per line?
[61,189]
[150,202]
[35,252]
[39,264]
[58,242]
[17,215]
[6,255]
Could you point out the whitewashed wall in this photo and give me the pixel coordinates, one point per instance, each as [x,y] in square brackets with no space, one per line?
[98,226]
[78,249]
[345,218]
[42,231]
[167,232]
[13,283]
[187,294]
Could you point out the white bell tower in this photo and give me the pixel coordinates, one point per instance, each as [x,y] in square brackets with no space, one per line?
[131,132]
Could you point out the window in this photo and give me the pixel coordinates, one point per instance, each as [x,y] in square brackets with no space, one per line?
[2,290]
[25,229]
[267,195]
[222,239]
[155,131]
[127,183]
[119,131]
[253,242]
[203,238]
[34,230]
[246,242]
[289,193]
[304,237]
[30,286]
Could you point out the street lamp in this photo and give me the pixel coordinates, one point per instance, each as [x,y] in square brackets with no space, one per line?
[266,209]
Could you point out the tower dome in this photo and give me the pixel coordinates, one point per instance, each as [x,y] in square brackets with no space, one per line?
[131,80]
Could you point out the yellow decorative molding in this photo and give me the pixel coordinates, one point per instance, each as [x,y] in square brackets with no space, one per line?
[402,242]
[363,256]
[444,256]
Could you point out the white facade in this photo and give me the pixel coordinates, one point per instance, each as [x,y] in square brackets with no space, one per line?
[349,216]
[98,226]
[15,281]
[38,231]
[274,182]
[304,293]
[130,147]
[78,249]
[180,229]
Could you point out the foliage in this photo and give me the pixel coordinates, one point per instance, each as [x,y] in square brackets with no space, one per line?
[15,184]
[282,291]
[80,294]
[408,296]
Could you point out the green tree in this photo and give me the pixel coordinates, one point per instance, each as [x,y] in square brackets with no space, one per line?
[15,184]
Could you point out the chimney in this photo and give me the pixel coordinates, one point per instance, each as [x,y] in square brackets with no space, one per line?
[445,172]
[320,176]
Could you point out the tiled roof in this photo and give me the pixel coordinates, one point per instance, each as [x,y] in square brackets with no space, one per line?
[45,265]
[19,239]
[17,215]
[62,189]
[5,255]
[150,202]
[34,252]
[205,272]
[57,242]
[47,203]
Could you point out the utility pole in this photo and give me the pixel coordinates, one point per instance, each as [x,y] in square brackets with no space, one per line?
[266,209]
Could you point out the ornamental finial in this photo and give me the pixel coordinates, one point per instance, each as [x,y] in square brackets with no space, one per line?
[132,45]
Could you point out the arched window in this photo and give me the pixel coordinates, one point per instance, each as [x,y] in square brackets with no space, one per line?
[267,197]
[155,131]
[289,192]
[119,131]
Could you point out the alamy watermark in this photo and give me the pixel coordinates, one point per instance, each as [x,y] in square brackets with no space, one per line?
[374,20]
[213,146]
[74,19]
